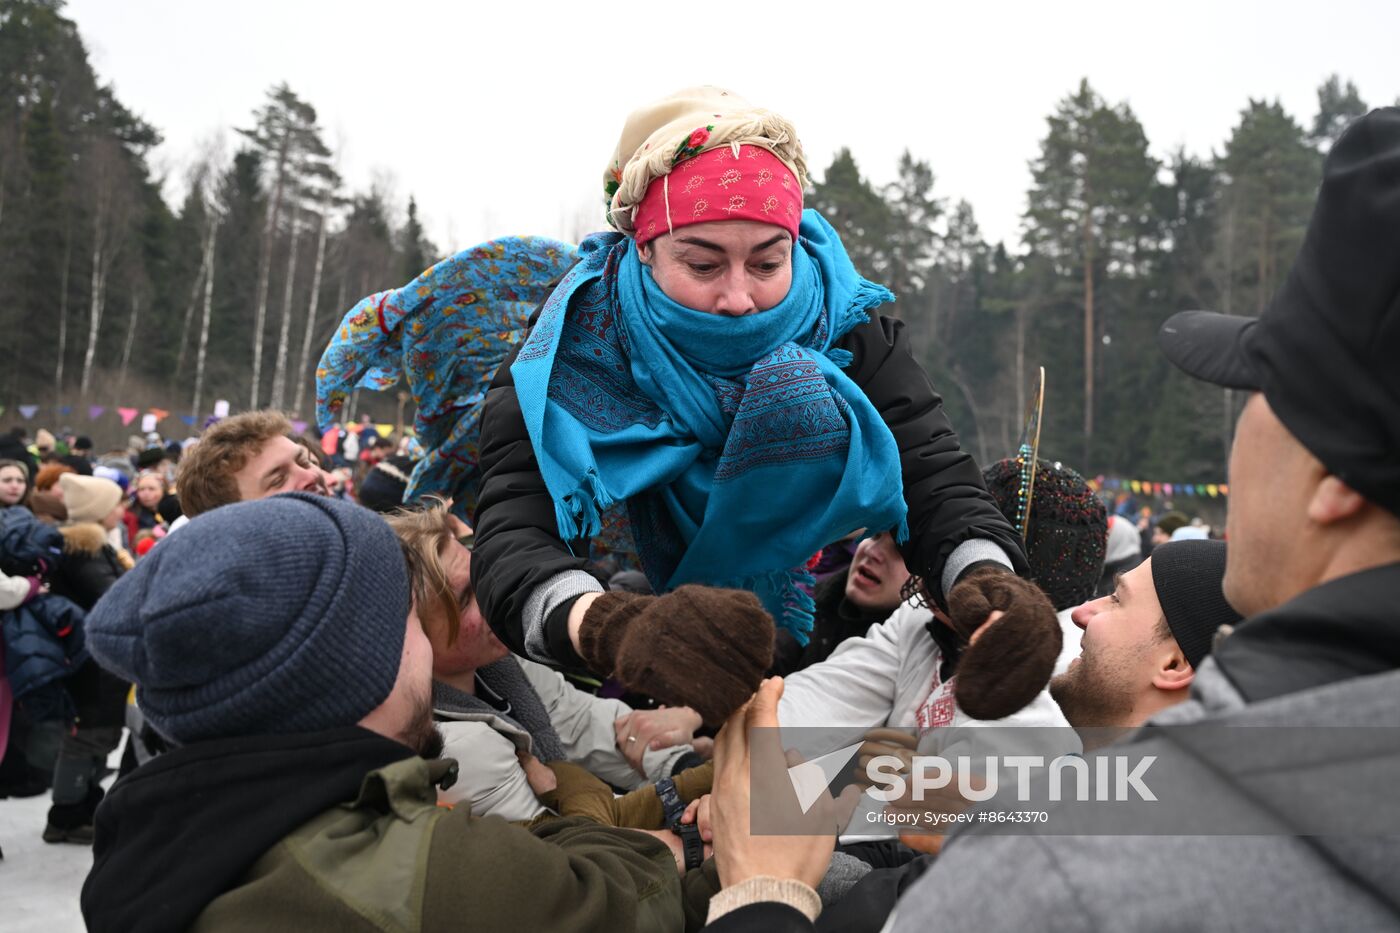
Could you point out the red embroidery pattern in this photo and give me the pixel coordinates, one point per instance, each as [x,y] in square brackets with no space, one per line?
[938,708]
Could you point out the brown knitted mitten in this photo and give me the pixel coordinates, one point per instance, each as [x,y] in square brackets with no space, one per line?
[1013,658]
[699,646]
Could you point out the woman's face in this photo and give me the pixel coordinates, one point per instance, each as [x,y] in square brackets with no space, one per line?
[11,485]
[729,267]
[149,492]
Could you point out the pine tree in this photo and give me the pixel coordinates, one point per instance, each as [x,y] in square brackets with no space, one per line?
[858,213]
[1337,105]
[285,134]
[1090,211]
[418,253]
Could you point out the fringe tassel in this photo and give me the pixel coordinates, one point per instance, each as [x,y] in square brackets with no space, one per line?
[840,358]
[579,513]
[867,295]
[782,595]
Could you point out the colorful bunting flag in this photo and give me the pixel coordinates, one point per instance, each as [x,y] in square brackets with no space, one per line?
[160,413]
[127,414]
[298,426]
[1151,488]
[65,410]
[28,411]
[384,429]
[188,419]
[95,412]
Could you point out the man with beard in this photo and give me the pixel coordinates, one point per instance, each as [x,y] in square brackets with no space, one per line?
[1143,642]
[246,457]
[301,791]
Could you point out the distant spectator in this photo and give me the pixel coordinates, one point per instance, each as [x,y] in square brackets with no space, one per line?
[383,487]
[150,490]
[1124,553]
[89,567]
[1166,526]
[80,465]
[14,482]
[47,478]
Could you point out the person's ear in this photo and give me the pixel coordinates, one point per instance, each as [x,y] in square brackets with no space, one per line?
[1173,672]
[1334,501]
[644,253]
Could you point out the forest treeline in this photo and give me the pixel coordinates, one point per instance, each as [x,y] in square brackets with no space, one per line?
[112,296]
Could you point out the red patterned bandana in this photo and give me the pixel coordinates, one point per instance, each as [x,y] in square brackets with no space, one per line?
[717,186]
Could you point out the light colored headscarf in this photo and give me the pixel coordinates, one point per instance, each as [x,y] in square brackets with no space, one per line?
[657,137]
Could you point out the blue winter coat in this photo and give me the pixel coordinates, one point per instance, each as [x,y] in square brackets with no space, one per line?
[43,642]
[27,545]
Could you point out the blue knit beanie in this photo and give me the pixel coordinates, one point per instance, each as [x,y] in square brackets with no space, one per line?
[281,615]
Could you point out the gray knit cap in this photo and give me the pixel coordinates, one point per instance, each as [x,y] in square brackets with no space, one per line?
[281,615]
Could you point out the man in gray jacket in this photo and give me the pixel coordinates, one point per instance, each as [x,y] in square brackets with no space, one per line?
[1314,566]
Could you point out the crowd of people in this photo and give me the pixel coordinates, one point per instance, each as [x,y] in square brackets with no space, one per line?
[706,493]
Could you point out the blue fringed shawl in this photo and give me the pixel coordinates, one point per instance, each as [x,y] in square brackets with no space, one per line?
[737,444]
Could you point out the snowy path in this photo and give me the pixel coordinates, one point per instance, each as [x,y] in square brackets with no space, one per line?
[39,882]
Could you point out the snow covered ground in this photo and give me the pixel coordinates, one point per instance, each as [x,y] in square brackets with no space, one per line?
[39,881]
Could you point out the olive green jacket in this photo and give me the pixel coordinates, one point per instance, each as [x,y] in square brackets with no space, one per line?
[388,860]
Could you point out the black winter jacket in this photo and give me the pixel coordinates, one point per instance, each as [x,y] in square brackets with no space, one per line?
[517,541]
[833,621]
[89,567]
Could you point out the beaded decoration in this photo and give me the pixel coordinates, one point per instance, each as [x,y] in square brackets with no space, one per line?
[1026,456]
[1024,462]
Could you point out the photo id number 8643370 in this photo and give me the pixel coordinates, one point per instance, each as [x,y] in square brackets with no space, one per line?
[1012,816]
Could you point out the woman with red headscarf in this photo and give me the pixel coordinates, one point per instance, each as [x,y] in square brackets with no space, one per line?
[708,389]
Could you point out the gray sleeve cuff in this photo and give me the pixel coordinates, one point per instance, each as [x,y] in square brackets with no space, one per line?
[968,553]
[545,598]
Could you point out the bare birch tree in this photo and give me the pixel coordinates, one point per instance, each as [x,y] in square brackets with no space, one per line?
[208,263]
[304,357]
[286,135]
[279,371]
[111,211]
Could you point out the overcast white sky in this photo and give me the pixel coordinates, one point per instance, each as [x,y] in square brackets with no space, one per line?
[499,116]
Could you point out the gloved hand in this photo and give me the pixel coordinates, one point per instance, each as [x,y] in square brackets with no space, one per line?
[698,646]
[1008,660]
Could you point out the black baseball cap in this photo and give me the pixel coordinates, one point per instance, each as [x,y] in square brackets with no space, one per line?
[1326,350]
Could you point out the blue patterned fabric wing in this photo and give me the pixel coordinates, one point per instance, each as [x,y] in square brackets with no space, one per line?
[446,332]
